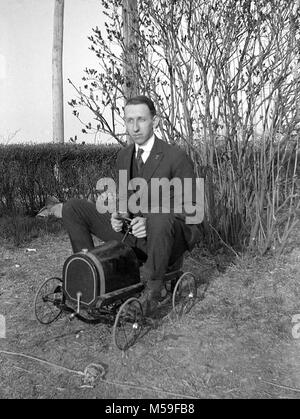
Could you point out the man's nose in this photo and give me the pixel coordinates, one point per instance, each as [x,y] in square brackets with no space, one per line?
[136,126]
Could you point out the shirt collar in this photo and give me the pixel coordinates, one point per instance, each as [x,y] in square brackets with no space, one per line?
[147,147]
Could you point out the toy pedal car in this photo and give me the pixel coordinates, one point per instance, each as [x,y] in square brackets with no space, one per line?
[102,285]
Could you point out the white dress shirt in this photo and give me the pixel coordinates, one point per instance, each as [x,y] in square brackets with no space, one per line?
[147,147]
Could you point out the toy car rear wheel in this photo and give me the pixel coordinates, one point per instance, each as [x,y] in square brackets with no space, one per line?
[48,301]
[128,324]
[184,294]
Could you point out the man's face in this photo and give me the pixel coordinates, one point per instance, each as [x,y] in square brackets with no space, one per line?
[140,123]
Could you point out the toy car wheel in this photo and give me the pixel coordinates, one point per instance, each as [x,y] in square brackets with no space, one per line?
[184,294]
[128,324]
[48,301]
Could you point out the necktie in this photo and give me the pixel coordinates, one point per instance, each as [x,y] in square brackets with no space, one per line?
[139,160]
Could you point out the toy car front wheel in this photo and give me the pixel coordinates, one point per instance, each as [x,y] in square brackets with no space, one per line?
[48,301]
[128,324]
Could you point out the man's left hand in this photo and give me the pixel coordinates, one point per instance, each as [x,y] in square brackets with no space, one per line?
[139,227]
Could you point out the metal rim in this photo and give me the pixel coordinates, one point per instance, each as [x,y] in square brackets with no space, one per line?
[48,301]
[128,324]
[184,294]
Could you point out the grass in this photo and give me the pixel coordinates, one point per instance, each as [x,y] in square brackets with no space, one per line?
[19,229]
[235,343]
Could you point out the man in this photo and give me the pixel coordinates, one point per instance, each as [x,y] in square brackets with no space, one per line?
[160,233]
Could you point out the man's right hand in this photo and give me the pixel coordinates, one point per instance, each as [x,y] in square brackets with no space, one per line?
[117,221]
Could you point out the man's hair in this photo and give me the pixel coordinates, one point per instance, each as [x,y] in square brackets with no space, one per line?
[139,100]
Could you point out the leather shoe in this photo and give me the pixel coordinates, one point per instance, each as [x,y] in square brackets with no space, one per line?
[149,302]
[152,295]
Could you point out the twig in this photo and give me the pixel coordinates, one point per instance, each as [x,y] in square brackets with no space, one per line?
[42,361]
[146,388]
[228,247]
[115,383]
[230,391]
[21,369]
[282,386]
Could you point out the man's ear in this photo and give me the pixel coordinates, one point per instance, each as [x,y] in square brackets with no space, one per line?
[156,121]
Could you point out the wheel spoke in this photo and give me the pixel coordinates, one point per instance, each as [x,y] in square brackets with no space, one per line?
[48,300]
[185,294]
[128,324]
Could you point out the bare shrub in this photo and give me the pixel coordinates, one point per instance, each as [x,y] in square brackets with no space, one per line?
[225,79]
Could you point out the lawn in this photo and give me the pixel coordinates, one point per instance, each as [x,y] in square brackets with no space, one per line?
[235,343]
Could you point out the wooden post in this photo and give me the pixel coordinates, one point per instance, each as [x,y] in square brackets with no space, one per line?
[130,34]
[57,73]
[131,28]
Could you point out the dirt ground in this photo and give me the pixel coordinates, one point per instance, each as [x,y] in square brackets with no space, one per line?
[235,343]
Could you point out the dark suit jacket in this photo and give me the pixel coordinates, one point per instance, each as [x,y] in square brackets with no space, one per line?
[166,161]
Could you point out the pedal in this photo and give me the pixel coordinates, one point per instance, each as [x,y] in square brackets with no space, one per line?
[164,296]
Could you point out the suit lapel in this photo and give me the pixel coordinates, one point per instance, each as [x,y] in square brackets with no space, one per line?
[153,160]
[128,158]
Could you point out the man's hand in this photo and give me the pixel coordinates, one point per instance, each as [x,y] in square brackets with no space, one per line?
[138,225]
[117,221]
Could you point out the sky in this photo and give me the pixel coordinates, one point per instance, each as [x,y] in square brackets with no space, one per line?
[26,35]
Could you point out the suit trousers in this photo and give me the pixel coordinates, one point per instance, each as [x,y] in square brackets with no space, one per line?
[163,246]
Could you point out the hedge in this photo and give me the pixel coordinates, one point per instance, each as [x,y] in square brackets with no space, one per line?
[31,173]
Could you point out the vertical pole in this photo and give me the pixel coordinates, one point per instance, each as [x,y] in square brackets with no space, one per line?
[131,62]
[57,73]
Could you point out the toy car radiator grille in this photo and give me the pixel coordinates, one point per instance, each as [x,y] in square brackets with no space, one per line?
[94,273]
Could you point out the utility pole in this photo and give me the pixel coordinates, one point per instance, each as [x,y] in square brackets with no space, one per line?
[130,62]
[57,73]
[131,30]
